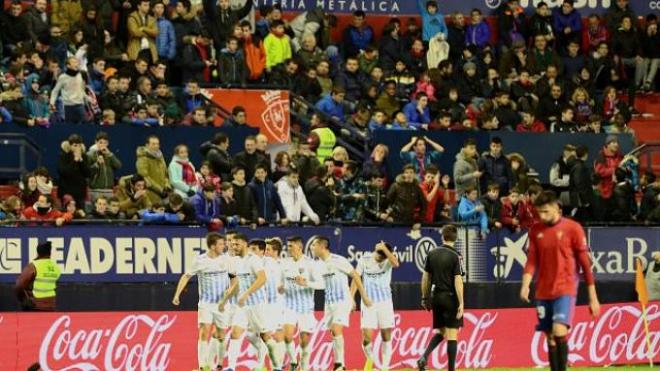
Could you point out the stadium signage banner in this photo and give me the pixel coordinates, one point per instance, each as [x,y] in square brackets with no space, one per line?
[159,253]
[158,341]
[409,7]
[613,252]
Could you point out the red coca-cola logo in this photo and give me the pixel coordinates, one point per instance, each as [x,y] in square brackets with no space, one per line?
[616,337]
[135,343]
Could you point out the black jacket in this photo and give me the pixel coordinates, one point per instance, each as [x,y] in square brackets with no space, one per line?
[249,162]
[624,202]
[390,51]
[35,24]
[221,22]
[187,209]
[73,175]
[580,184]
[456,40]
[246,206]
[14,30]
[406,202]
[626,44]
[493,209]
[233,69]
[320,198]
[495,169]
[221,162]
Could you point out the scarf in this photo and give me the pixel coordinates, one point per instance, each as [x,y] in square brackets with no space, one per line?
[188,173]
[72,73]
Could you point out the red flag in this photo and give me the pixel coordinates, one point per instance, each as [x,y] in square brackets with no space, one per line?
[640,284]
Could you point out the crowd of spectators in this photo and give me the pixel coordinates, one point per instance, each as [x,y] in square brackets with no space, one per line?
[493,189]
[69,62]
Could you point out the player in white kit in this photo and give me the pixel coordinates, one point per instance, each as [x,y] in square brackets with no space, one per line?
[376,272]
[335,270]
[211,269]
[248,284]
[300,277]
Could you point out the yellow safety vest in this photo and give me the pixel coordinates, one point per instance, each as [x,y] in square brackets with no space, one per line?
[327,142]
[46,278]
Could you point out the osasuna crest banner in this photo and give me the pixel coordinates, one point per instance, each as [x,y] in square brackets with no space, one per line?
[159,341]
[411,7]
[267,110]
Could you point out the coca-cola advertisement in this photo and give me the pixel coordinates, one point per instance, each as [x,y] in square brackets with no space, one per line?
[168,340]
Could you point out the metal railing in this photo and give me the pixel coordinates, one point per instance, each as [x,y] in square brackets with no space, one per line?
[26,145]
[645,153]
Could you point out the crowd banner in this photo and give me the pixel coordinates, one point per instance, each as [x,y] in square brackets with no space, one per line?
[162,253]
[158,341]
[613,252]
[409,7]
[267,110]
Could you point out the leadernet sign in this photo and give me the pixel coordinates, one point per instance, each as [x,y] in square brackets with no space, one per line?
[167,340]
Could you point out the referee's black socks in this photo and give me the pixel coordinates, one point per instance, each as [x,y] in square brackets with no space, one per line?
[452,345]
[435,341]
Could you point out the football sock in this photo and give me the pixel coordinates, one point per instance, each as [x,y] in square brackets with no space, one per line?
[451,355]
[338,347]
[386,351]
[435,341]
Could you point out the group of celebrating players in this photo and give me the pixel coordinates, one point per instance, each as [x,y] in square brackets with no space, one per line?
[249,289]
[255,293]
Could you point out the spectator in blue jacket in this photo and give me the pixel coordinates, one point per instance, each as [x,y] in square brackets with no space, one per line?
[268,200]
[417,112]
[207,205]
[157,214]
[567,23]
[471,210]
[419,157]
[478,31]
[166,39]
[358,35]
[333,103]
[433,22]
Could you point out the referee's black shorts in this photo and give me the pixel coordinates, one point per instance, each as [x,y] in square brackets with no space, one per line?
[445,309]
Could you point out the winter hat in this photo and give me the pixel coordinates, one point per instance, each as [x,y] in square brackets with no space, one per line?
[611,138]
[469,65]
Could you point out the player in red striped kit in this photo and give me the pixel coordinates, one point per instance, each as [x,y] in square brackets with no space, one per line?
[557,247]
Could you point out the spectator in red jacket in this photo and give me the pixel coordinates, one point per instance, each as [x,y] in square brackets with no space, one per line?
[530,124]
[516,212]
[435,192]
[594,34]
[605,164]
[43,211]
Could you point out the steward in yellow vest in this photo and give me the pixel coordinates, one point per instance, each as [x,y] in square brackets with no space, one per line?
[37,284]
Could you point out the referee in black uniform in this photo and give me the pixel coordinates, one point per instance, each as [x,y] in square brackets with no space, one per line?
[444,273]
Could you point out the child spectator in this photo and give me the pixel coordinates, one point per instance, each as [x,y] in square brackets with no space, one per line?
[114,209]
[43,210]
[333,103]
[516,213]
[11,209]
[102,165]
[232,67]
[435,192]
[181,208]
[100,211]
[470,210]
[182,173]
[277,45]
[466,167]
[478,31]
[492,205]
[566,123]
[417,112]
[207,207]
[73,168]
[206,176]
[268,202]
[246,207]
